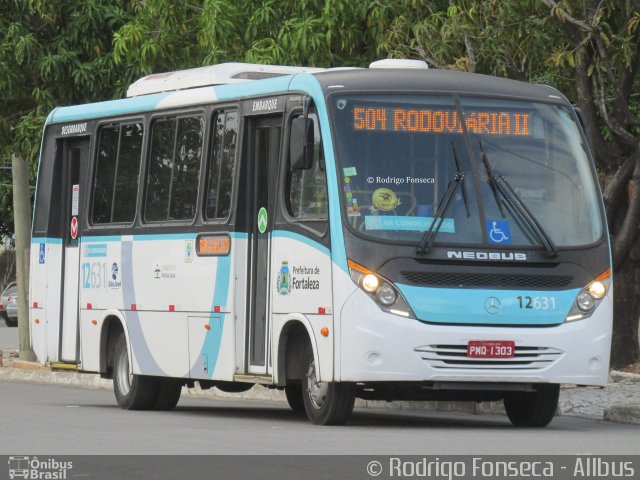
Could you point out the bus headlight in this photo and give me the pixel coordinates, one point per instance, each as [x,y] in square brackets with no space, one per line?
[597,289]
[590,297]
[382,291]
[370,283]
[386,295]
[585,301]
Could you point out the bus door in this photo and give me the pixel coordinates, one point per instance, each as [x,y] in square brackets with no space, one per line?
[75,157]
[264,153]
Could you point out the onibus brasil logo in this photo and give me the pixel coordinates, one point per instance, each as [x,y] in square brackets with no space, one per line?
[34,468]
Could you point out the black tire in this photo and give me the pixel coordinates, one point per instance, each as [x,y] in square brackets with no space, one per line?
[133,392]
[169,390]
[11,323]
[293,393]
[533,409]
[326,403]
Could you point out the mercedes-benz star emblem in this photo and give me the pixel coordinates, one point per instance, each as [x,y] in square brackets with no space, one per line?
[492,305]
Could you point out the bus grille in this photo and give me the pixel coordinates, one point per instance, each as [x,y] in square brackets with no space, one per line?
[495,280]
[455,357]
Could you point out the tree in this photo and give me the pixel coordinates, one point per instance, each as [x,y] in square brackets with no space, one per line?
[51,54]
[166,34]
[588,49]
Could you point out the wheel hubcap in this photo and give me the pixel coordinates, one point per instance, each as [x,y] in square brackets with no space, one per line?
[316,391]
[123,374]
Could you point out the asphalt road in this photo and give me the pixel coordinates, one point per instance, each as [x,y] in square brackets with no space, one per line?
[57,420]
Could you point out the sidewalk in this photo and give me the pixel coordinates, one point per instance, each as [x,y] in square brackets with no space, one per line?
[618,402]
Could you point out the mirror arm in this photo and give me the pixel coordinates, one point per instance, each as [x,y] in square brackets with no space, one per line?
[305,114]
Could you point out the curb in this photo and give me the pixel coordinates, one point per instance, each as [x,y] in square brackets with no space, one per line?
[624,377]
[623,413]
[30,372]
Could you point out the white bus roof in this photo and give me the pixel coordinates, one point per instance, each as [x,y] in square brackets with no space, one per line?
[221,74]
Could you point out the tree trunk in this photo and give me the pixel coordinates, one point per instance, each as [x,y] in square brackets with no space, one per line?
[626,312]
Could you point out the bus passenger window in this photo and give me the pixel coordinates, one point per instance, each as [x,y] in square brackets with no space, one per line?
[126,189]
[174,168]
[221,165]
[307,189]
[116,178]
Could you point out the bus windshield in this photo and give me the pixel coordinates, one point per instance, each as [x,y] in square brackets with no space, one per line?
[471,163]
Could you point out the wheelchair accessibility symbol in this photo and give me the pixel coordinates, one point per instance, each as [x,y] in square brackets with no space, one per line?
[498,231]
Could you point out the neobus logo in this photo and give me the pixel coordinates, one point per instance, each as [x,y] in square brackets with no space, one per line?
[502,256]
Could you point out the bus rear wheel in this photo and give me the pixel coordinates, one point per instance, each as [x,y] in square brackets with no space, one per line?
[169,391]
[326,403]
[533,409]
[133,392]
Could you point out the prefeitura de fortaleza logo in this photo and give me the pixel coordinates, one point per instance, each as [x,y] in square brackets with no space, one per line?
[284,286]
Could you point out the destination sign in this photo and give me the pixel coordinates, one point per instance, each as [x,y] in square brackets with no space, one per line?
[440,121]
[213,245]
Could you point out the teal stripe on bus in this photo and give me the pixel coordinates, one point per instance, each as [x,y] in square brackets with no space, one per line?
[213,337]
[47,240]
[248,89]
[106,109]
[158,236]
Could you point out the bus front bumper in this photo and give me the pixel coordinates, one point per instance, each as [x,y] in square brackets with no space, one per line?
[381,347]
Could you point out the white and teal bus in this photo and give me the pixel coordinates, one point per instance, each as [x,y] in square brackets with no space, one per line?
[390,233]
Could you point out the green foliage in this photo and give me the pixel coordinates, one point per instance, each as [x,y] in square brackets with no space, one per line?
[165,35]
[75,51]
[538,41]
[51,54]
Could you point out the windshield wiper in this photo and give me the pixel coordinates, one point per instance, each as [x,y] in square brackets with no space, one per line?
[513,200]
[459,171]
[427,239]
[492,179]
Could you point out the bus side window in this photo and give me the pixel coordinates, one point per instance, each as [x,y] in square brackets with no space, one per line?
[221,165]
[116,178]
[174,169]
[306,190]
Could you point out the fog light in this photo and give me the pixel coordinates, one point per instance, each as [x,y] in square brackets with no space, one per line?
[597,290]
[585,301]
[370,283]
[386,295]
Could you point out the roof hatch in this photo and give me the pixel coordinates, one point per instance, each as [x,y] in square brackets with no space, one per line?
[221,74]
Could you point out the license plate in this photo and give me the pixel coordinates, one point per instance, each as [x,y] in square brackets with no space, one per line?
[491,349]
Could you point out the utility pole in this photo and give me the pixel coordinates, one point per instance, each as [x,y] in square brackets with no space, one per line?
[22,229]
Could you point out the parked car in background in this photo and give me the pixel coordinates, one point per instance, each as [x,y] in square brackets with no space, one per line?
[12,310]
[9,305]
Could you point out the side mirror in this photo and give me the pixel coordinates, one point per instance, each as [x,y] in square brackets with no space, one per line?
[301,144]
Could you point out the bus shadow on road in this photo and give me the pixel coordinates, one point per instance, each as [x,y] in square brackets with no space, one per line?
[361,418]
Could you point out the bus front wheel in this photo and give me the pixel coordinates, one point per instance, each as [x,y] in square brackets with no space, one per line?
[533,409]
[326,403]
[294,397]
[133,392]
